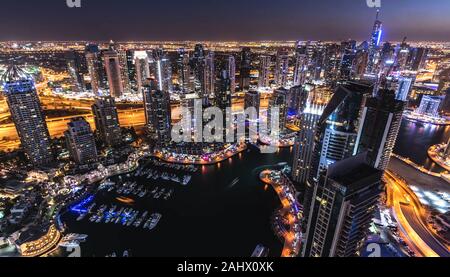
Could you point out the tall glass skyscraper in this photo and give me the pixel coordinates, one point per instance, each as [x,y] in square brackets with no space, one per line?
[380,122]
[334,140]
[157,112]
[113,72]
[282,67]
[231,68]
[27,115]
[107,120]
[99,82]
[264,71]
[344,203]
[374,45]
[246,66]
[161,70]
[80,141]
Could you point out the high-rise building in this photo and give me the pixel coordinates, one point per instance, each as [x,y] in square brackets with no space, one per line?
[278,100]
[252,99]
[27,115]
[161,70]
[209,76]
[124,71]
[223,95]
[142,67]
[338,131]
[282,67]
[197,64]
[404,88]
[96,69]
[264,71]
[332,63]
[402,55]
[222,98]
[301,66]
[77,67]
[113,72]
[246,66]
[429,105]
[231,68]
[183,71]
[297,98]
[317,65]
[334,137]
[157,112]
[374,45]
[361,61]
[80,141]
[344,203]
[131,67]
[418,58]
[304,141]
[380,122]
[348,59]
[107,120]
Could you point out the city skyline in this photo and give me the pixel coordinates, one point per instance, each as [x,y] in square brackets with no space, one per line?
[222,20]
[284,148]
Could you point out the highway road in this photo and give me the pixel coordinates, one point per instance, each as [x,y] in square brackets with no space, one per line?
[410,215]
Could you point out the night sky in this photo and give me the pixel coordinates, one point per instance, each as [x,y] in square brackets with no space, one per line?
[221,20]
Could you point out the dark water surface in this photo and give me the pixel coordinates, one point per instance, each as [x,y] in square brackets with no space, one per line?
[208,217]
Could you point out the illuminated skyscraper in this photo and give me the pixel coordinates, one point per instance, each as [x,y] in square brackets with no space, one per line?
[380,122]
[209,75]
[347,61]
[142,69]
[374,45]
[157,112]
[77,67]
[282,67]
[231,68]
[252,99]
[402,55]
[361,60]
[80,141]
[404,87]
[246,66]
[183,71]
[332,63]
[161,70]
[264,71]
[304,141]
[113,72]
[27,115]
[278,100]
[334,140]
[197,64]
[344,203]
[297,99]
[301,66]
[107,120]
[124,71]
[223,95]
[429,105]
[418,58]
[317,65]
[96,69]
[131,67]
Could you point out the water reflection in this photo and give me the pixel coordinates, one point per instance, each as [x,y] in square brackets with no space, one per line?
[415,138]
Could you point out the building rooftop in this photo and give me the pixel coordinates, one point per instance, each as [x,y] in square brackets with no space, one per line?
[14,73]
[354,172]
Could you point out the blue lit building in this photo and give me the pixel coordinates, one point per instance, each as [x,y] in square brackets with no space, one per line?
[374,45]
[27,115]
